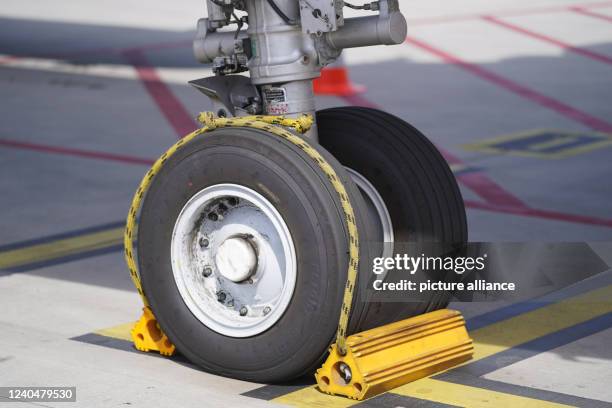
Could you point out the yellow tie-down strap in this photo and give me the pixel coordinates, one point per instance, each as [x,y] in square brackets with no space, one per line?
[146,334]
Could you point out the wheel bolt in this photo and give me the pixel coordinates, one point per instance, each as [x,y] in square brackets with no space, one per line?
[233,201]
[213,216]
[243,311]
[207,271]
[203,242]
[266,310]
[221,296]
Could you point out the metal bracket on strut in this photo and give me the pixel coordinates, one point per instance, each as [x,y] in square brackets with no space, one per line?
[231,95]
[147,335]
[321,16]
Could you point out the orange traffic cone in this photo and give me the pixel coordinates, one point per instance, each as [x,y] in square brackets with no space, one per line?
[334,80]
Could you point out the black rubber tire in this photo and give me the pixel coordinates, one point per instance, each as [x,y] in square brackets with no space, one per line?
[412,177]
[304,196]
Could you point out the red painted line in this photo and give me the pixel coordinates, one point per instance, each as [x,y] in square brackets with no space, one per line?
[169,105]
[67,151]
[483,186]
[576,50]
[502,13]
[516,88]
[588,13]
[7,59]
[537,213]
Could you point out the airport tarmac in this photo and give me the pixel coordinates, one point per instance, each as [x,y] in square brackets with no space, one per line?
[516,94]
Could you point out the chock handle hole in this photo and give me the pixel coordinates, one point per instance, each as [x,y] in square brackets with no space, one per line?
[339,374]
[154,332]
[325,380]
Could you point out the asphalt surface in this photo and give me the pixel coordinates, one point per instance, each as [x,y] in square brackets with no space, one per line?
[515,93]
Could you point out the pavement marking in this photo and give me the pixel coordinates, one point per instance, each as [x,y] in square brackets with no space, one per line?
[516,88]
[538,213]
[120,332]
[466,396]
[423,21]
[542,326]
[69,151]
[462,168]
[543,143]
[498,337]
[485,365]
[550,40]
[515,309]
[473,374]
[61,248]
[585,12]
[176,114]
[390,399]
[528,392]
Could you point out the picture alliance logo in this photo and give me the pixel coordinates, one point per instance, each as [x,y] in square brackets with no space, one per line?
[412,264]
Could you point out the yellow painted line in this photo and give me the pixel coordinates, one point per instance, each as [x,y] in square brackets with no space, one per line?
[61,247]
[121,332]
[529,326]
[488,340]
[581,149]
[312,397]
[465,396]
[456,168]
[549,156]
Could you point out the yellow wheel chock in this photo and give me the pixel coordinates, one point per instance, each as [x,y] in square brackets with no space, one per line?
[386,357]
[147,335]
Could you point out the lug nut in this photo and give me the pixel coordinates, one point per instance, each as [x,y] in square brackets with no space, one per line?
[203,242]
[266,310]
[243,311]
[221,296]
[213,216]
[207,271]
[233,201]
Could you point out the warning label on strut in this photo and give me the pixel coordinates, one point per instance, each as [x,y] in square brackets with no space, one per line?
[272,95]
[276,101]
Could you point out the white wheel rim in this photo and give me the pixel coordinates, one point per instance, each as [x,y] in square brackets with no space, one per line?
[373,198]
[377,206]
[235,273]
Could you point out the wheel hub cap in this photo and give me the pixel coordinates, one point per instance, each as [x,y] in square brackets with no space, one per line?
[236,259]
